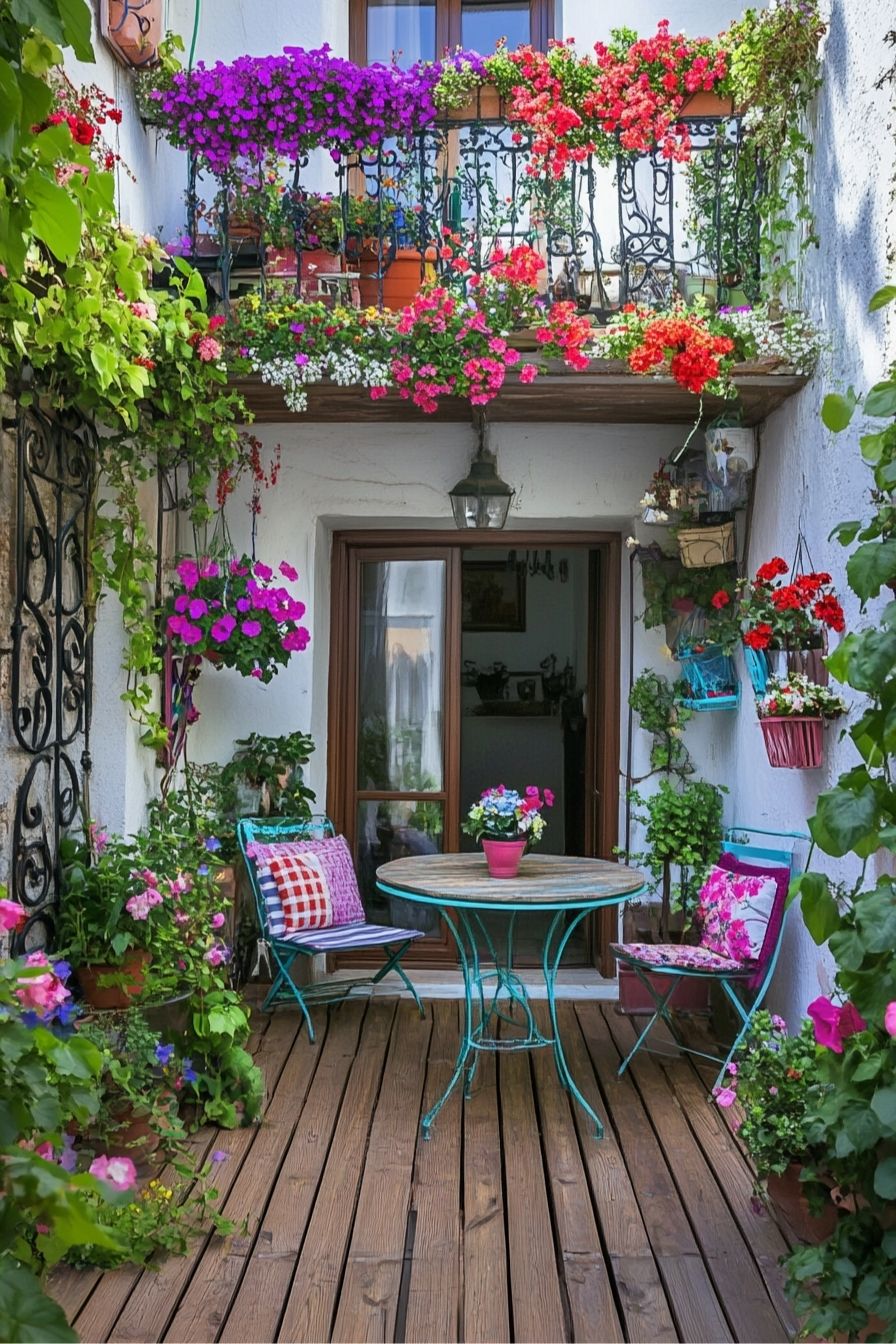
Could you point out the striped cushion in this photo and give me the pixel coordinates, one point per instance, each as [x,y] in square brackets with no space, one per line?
[336,862]
[351,935]
[276,920]
[303,891]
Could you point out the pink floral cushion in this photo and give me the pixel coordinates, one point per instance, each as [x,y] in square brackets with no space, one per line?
[733,912]
[680,956]
[337,866]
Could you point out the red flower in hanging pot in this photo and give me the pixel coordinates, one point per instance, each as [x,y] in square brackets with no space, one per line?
[720,599]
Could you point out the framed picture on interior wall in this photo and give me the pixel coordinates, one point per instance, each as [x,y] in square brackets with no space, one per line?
[527,688]
[493,596]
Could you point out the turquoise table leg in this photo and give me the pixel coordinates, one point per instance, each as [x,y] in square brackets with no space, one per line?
[550,966]
[469,962]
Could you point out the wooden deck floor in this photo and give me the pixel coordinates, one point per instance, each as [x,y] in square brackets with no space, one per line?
[511,1223]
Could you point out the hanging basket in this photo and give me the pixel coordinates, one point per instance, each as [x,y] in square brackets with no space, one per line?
[702,547]
[793,743]
[730,450]
[711,676]
[765,663]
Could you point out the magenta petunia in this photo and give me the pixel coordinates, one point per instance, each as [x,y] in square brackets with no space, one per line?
[251,629]
[181,602]
[190,634]
[208,570]
[197,609]
[223,628]
[188,573]
[288,572]
[263,572]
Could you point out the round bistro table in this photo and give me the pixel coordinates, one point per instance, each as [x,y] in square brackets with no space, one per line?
[460,887]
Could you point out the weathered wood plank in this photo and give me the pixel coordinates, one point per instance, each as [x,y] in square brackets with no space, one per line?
[218,1274]
[313,1297]
[434,1290]
[638,1283]
[588,1286]
[536,1302]
[689,1288]
[735,1177]
[153,1297]
[486,1310]
[368,1298]
[738,1281]
[593,397]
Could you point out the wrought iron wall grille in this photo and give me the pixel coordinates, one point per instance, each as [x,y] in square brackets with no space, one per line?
[51,654]
[639,226]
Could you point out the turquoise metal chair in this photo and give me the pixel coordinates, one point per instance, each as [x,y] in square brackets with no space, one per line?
[744,987]
[313,942]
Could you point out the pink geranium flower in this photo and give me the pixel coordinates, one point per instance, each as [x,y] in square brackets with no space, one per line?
[834,1023]
[119,1172]
[890,1019]
[725,1096]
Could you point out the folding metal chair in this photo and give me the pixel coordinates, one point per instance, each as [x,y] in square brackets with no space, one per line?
[312,942]
[744,985]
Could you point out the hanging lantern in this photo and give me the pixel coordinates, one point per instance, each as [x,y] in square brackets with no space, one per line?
[481,499]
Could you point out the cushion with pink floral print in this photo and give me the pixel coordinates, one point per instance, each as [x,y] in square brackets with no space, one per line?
[338,870]
[733,913]
[677,956]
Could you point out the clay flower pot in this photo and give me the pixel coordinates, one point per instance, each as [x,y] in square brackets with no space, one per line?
[504,856]
[402,279]
[787,1196]
[131,974]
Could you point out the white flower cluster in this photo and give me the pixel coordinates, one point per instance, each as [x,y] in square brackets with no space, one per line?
[798,696]
[345,367]
[791,339]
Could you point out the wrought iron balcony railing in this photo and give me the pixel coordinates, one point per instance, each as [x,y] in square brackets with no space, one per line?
[639,229]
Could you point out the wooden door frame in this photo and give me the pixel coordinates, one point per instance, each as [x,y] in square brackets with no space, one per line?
[604,682]
[448,26]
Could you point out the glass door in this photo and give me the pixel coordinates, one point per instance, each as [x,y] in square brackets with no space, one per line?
[401,740]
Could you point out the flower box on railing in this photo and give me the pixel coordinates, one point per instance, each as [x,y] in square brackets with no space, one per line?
[486,104]
[793,743]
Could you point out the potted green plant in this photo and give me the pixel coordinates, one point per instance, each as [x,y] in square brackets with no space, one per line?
[273,769]
[775,1081]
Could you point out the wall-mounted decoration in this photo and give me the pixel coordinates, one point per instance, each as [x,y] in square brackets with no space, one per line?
[133,30]
[494,596]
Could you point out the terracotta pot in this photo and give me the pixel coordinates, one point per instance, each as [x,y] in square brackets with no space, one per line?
[691,994]
[793,743]
[132,972]
[401,281]
[503,856]
[135,1138]
[703,104]
[788,1199]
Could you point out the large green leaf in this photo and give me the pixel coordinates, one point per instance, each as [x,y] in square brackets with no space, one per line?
[883,1104]
[881,400]
[885,1179]
[886,294]
[842,819]
[27,1315]
[55,217]
[10,96]
[75,16]
[870,566]
[837,410]
[820,913]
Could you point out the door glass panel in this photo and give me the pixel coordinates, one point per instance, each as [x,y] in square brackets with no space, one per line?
[485,22]
[395,830]
[401,29]
[401,676]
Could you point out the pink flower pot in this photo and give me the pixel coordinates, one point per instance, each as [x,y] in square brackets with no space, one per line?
[793,743]
[503,856]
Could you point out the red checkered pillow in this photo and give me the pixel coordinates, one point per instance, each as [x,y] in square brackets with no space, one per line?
[304,892]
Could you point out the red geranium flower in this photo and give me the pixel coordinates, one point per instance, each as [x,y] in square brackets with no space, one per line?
[771,569]
[720,599]
[760,637]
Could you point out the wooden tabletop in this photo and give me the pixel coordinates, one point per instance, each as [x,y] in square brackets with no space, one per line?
[545,880]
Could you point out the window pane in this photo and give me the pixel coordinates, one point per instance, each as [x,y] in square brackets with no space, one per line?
[484,22]
[401,28]
[395,830]
[401,675]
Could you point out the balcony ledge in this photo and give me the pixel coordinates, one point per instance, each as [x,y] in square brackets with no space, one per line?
[602,395]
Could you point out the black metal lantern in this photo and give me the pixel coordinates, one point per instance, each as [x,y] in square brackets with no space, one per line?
[481,499]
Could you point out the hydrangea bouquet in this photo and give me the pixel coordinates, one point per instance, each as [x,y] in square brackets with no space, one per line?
[237,615]
[504,814]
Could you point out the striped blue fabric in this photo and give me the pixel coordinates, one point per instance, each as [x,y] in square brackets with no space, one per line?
[276,920]
[350,935]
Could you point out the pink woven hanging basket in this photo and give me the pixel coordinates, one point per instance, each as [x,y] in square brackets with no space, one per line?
[793,743]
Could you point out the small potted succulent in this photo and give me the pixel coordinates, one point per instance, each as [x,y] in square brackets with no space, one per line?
[507,823]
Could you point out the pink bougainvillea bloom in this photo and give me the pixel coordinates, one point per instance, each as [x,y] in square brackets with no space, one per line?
[119,1172]
[12,915]
[890,1019]
[725,1096]
[218,920]
[288,572]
